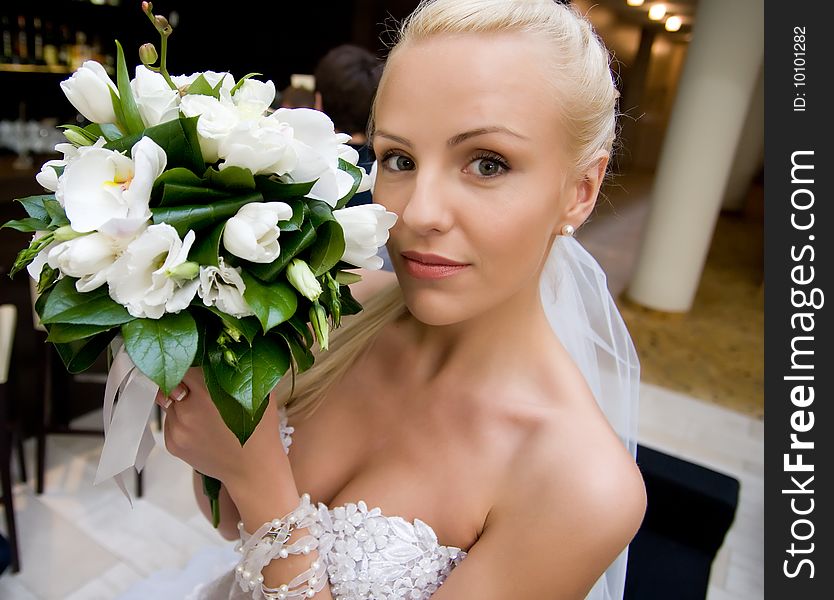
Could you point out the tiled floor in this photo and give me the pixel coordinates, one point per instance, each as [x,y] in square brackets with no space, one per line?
[81,542]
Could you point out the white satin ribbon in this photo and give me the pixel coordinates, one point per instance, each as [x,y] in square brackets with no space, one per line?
[127,432]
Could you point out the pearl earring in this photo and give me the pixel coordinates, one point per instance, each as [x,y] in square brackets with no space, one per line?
[568,230]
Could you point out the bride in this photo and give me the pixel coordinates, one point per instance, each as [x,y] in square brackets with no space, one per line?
[449,445]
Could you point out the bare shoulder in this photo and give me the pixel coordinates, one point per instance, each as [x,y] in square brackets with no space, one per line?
[372,283]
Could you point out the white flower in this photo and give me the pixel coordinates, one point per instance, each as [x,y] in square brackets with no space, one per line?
[88,89]
[48,176]
[223,287]
[366,229]
[212,77]
[253,97]
[252,234]
[318,148]
[88,257]
[140,279]
[263,146]
[103,190]
[217,119]
[156,101]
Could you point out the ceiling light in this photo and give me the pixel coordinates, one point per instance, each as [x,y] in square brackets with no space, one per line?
[657,12]
[635,2]
[673,23]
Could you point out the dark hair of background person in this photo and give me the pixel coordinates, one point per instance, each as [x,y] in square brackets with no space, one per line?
[347,78]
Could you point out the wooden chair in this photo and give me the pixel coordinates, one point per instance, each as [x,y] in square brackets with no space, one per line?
[8,320]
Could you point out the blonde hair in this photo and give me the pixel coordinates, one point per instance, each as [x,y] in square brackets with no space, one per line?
[584,90]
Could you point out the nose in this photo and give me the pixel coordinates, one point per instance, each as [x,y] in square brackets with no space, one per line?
[428,210]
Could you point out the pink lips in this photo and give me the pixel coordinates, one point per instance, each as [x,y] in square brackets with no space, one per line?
[430,266]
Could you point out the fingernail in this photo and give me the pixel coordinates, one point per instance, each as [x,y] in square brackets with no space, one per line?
[167,403]
[179,393]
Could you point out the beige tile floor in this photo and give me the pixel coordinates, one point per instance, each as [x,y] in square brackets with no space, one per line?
[81,542]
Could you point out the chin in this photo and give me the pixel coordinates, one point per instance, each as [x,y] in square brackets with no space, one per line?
[436,308]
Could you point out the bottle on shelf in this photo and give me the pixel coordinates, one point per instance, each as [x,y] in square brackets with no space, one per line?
[37,41]
[64,46]
[21,49]
[8,49]
[50,45]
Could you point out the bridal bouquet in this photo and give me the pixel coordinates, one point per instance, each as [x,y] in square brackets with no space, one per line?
[189,226]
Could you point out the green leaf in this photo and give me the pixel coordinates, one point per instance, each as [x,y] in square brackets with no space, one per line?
[248,326]
[67,305]
[272,303]
[197,217]
[118,110]
[80,355]
[354,172]
[163,349]
[57,216]
[27,225]
[320,212]
[237,418]
[292,243]
[206,250]
[230,178]
[132,117]
[33,205]
[297,218]
[349,304]
[178,138]
[62,333]
[202,87]
[301,354]
[177,195]
[303,329]
[274,189]
[179,176]
[260,366]
[106,130]
[328,248]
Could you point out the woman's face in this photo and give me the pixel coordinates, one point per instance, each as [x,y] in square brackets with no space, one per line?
[472,159]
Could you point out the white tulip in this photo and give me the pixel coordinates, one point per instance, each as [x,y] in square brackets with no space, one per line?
[88,257]
[141,278]
[366,229]
[103,190]
[156,101]
[223,287]
[88,89]
[252,234]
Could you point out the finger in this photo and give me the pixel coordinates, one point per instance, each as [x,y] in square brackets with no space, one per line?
[179,393]
[162,400]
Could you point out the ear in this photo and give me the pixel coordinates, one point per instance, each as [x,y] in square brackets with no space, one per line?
[318,104]
[583,191]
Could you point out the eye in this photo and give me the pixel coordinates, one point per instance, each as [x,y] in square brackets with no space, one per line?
[397,162]
[488,165]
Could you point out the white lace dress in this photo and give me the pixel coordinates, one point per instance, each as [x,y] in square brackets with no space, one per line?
[369,556]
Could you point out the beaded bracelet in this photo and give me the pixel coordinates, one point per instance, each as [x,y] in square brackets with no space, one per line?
[270,542]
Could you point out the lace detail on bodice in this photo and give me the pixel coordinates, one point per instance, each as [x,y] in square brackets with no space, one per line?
[373,556]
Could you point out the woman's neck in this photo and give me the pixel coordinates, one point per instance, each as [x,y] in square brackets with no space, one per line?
[486,345]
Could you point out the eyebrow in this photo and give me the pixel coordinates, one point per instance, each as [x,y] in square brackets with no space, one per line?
[456,139]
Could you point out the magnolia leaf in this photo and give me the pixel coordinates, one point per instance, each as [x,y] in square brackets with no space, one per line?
[106,130]
[230,178]
[258,369]
[78,356]
[163,349]
[294,222]
[57,216]
[273,303]
[354,172]
[178,138]
[301,354]
[27,225]
[292,243]
[176,195]
[273,189]
[206,251]
[62,333]
[65,304]
[202,87]
[130,112]
[249,327]
[328,249]
[241,422]
[34,206]
[196,217]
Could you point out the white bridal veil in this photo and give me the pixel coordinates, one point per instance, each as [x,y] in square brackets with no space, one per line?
[583,315]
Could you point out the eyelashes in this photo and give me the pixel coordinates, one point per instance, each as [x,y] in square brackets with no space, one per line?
[484,164]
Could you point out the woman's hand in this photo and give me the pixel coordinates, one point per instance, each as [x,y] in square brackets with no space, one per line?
[195,432]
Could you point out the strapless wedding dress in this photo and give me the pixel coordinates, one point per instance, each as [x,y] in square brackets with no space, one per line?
[369,556]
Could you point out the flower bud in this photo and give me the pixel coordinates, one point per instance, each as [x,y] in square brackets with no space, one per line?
[232,332]
[147,54]
[318,319]
[230,358]
[76,138]
[184,271]
[303,279]
[66,233]
[348,278]
[162,24]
